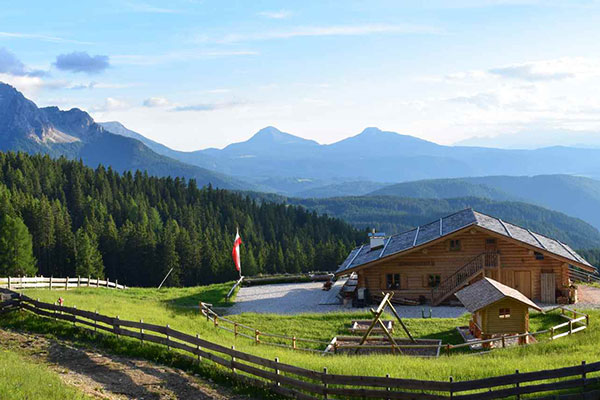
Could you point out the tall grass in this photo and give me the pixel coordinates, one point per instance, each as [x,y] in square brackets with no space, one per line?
[174,307]
[23,379]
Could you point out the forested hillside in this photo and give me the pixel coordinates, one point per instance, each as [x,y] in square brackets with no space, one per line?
[135,228]
[391,214]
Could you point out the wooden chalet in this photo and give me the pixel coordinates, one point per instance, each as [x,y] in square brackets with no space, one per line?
[496,309]
[432,262]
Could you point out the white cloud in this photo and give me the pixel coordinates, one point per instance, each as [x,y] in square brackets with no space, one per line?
[153,59]
[281,14]
[333,30]
[31,85]
[207,106]
[44,38]
[111,104]
[156,102]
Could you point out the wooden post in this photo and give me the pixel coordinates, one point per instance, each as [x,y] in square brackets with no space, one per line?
[294,342]
[78,281]
[116,283]
[277,372]
[583,376]
[97,282]
[451,390]
[517,385]
[198,348]
[9,287]
[570,327]
[88,282]
[552,333]
[50,285]
[116,326]
[324,384]
[448,349]
[142,331]
[74,316]
[107,280]
[232,361]
[67,283]
[96,321]
[215,320]
[388,389]
[168,338]
[235,330]
[256,336]
[503,342]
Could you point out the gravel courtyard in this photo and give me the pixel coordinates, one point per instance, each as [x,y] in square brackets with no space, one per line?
[296,298]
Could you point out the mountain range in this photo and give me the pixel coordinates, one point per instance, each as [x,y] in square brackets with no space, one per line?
[75,135]
[374,164]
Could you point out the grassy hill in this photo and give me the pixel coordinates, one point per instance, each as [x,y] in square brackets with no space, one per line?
[391,214]
[573,195]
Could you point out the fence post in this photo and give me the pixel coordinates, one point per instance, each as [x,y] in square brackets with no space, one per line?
[324,383]
[583,376]
[277,372]
[552,333]
[448,349]
[116,283]
[168,338]
[451,388]
[67,283]
[142,331]
[97,282]
[116,326]
[503,342]
[256,336]
[50,286]
[294,342]
[78,281]
[107,280]
[235,329]
[517,385]
[9,287]
[74,316]
[570,327]
[232,361]
[96,322]
[198,348]
[88,281]
[388,389]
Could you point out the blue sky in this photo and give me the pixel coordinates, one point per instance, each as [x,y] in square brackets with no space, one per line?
[196,74]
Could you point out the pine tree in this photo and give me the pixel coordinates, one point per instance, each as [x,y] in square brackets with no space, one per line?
[16,248]
[88,260]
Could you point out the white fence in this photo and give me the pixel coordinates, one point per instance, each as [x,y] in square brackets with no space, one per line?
[41,282]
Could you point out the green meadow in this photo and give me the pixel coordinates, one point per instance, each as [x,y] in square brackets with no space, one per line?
[179,309]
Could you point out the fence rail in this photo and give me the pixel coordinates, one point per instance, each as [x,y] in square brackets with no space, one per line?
[297,382]
[578,322]
[41,282]
[581,276]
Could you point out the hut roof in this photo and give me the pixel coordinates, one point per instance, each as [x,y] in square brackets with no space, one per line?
[488,291]
[447,225]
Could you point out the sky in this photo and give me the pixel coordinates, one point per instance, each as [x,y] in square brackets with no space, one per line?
[197,74]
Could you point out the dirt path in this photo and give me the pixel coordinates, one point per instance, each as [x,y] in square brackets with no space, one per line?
[589,296]
[106,376]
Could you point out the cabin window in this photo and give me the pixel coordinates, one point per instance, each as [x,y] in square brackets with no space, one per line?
[490,241]
[538,256]
[434,280]
[392,281]
[504,313]
[455,245]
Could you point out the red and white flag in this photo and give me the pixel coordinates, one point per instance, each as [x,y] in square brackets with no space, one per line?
[236,252]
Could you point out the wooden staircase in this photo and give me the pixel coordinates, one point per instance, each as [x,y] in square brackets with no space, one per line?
[460,278]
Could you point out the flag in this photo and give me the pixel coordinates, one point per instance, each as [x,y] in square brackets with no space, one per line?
[236,252]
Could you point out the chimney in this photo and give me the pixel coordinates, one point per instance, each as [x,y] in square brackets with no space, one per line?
[376,239]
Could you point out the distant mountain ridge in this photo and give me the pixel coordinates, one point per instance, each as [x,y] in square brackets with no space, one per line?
[375,156]
[573,195]
[74,134]
[391,215]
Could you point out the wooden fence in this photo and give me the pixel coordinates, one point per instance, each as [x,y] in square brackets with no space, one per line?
[301,383]
[41,282]
[578,275]
[578,322]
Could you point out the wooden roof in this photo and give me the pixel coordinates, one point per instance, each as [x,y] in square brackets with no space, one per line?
[405,241]
[488,291]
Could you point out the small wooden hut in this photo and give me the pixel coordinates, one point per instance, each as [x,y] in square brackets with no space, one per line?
[497,309]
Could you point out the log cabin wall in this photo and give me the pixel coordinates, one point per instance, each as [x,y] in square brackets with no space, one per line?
[518,266]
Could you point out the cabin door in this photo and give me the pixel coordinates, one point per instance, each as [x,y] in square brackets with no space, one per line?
[491,253]
[523,282]
[548,288]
